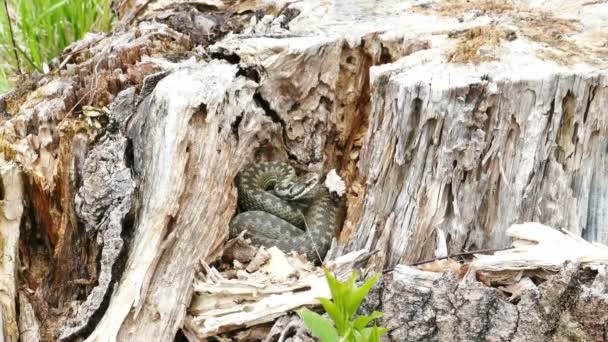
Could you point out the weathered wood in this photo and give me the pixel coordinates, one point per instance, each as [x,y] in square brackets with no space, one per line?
[537,246]
[187,154]
[47,133]
[450,150]
[507,304]
[29,327]
[463,151]
[11,208]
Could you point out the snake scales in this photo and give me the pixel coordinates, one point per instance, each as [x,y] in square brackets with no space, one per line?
[277,208]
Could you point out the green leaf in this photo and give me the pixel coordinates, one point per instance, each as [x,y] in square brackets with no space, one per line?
[335,314]
[43,28]
[362,321]
[350,282]
[351,285]
[371,334]
[319,326]
[346,299]
[349,335]
[340,291]
[364,335]
[376,332]
[333,283]
[357,295]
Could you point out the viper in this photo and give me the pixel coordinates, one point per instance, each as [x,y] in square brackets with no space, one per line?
[278,208]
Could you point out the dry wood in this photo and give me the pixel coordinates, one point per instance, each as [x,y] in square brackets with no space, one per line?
[29,327]
[185,146]
[538,246]
[281,286]
[11,208]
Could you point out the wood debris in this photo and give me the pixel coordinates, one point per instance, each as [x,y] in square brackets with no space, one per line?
[283,284]
[537,246]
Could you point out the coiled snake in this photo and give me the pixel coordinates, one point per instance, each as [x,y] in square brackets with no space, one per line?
[277,208]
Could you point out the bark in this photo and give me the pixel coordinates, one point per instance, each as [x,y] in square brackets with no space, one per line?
[525,294]
[441,308]
[448,121]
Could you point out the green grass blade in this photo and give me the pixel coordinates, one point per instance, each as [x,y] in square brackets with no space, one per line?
[43,28]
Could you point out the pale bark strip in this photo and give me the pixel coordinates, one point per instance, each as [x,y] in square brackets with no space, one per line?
[11,207]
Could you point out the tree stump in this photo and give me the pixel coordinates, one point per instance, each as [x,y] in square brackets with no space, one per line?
[449,121]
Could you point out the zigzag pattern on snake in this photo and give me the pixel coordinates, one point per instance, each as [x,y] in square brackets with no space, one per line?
[276,208]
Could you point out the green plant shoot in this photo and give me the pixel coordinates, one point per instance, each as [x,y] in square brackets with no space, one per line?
[344,326]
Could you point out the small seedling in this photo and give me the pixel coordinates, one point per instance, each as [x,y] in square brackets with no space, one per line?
[344,326]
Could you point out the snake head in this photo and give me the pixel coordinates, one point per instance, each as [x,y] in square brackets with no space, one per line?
[293,190]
